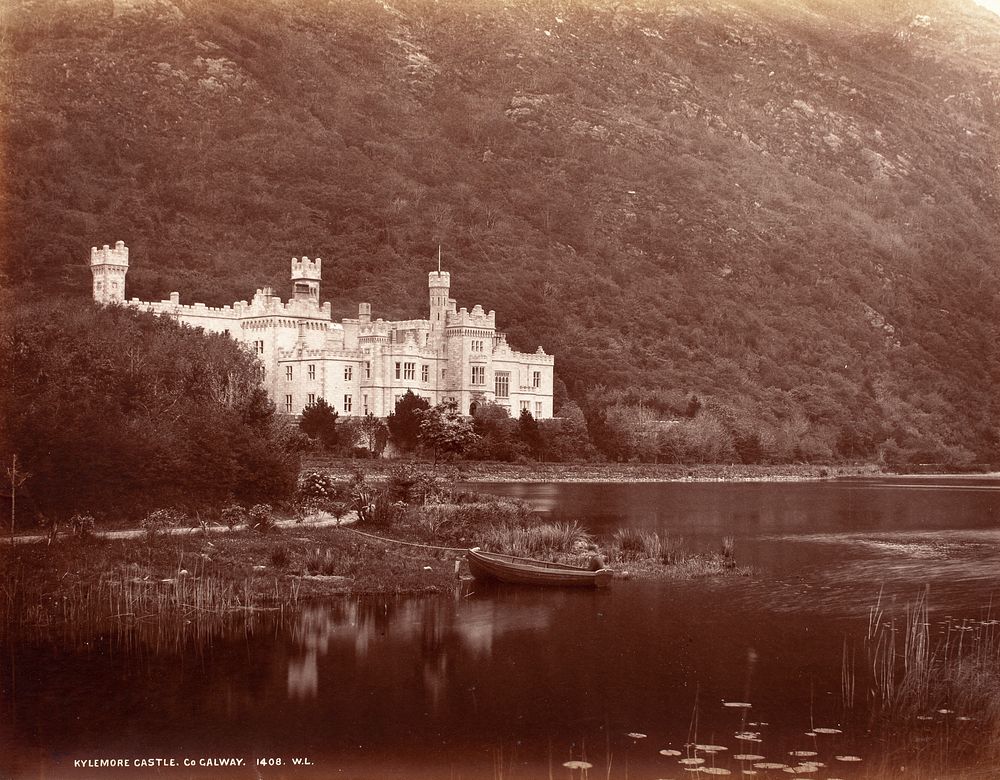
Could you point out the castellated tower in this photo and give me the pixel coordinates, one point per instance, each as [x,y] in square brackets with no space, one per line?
[306,274]
[109,267]
[439,286]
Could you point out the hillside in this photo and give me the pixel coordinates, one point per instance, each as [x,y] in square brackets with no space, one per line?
[788,209]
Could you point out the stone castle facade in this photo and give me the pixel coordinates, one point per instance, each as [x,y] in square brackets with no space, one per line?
[358,365]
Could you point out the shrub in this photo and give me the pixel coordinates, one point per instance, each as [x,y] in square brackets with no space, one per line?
[376,506]
[160,520]
[260,519]
[233,515]
[321,563]
[317,485]
[82,526]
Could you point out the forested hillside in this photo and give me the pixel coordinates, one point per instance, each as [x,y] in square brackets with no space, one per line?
[776,219]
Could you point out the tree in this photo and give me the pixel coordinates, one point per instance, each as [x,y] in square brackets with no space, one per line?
[496,432]
[566,438]
[444,430]
[374,434]
[404,422]
[528,433]
[319,421]
[116,411]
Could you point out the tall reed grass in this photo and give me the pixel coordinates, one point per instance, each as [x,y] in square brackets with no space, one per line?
[911,673]
[532,541]
[946,680]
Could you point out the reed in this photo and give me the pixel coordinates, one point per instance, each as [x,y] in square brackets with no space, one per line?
[951,680]
[534,541]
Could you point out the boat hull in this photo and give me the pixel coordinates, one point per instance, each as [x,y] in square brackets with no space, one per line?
[527,571]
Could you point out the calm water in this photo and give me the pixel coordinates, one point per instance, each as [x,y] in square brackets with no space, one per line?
[495,682]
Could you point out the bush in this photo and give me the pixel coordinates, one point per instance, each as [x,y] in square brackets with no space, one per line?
[260,519]
[321,563]
[316,484]
[160,520]
[82,526]
[233,515]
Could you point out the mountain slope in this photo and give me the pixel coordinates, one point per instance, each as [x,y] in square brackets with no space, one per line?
[788,209]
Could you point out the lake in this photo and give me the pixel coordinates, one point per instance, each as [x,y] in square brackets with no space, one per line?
[494,682]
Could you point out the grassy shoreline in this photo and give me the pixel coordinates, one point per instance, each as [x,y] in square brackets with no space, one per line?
[488,471]
[415,547]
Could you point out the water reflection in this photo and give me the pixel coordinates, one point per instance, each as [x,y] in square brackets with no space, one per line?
[505,681]
[470,625]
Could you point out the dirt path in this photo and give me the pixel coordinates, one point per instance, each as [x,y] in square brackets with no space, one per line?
[318,520]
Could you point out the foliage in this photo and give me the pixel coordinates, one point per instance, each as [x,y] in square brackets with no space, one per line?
[160,520]
[317,484]
[535,541]
[279,556]
[119,412]
[260,518]
[404,421]
[233,515]
[374,434]
[319,421]
[445,431]
[374,506]
[82,526]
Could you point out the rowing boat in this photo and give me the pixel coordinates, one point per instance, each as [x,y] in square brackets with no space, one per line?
[528,571]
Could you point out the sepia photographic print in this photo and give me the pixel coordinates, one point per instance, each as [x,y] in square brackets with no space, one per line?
[500,389]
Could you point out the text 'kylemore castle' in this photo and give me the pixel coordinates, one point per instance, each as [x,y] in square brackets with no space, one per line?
[358,365]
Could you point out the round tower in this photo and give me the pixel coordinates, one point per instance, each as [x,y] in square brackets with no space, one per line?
[108,267]
[306,275]
[439,286]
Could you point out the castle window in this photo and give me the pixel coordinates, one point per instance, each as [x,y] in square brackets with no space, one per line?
[368,369]
[288,404]
[536,379]
[502,383]
[398,375]
[312,398]
[538,408]
[258,347]
[312,371]
[288,373]
[409,370]
[479,375]
[364,402]
[425,373]
[348,373]
[347,403]
[525,405]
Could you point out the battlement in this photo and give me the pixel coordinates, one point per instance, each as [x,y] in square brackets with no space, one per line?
[306,269]
[477,318]
[439,279]
[108,256]
[324,353]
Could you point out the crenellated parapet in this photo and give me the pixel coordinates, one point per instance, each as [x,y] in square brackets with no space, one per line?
[307,269]
[477,318]
[108,256]
[318,354]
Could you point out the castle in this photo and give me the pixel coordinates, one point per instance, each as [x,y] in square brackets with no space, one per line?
[358,365]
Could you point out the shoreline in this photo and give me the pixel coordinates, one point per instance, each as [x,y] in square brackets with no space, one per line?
[487,472]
